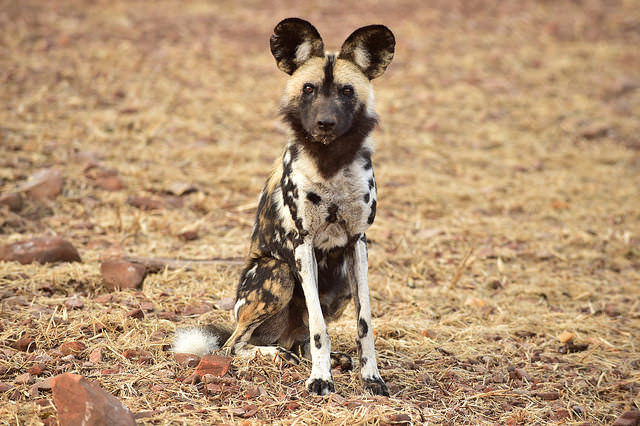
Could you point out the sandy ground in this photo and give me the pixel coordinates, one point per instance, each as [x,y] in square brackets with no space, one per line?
[508,162]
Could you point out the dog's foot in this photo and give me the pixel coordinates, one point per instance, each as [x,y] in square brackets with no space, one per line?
[342,360]
[288,356]
[320,386]
[375,385]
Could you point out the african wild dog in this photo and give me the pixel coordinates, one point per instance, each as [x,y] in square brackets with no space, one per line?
[308,252]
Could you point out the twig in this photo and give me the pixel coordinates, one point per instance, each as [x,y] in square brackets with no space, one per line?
[158,264]
[466,262]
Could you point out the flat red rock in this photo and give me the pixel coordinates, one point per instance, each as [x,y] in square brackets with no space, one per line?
[96,356]
[72,348]
[26,344]
[81,402]
[628,418]
[120,274]
[215,365]
[41,250]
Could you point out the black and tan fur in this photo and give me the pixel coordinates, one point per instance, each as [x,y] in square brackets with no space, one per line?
[308,247]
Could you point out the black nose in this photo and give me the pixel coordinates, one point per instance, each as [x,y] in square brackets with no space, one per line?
[326,125]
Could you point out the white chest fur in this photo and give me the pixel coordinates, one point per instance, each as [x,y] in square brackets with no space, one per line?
[333,210]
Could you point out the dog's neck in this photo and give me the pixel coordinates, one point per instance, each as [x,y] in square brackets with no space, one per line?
[332,157]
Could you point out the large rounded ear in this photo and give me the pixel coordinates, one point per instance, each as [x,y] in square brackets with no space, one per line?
[294,42]
[370,48]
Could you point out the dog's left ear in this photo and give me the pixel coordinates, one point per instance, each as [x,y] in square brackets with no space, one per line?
[294,42]
[371,48]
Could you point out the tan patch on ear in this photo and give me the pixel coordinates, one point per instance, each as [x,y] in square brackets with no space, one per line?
[361,58]
[303,52]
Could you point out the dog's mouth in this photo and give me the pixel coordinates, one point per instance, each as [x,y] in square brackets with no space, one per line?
[324,138]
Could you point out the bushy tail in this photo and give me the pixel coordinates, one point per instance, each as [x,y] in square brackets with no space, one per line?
[200,340]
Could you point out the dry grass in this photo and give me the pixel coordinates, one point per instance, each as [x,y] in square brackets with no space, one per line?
[508,162]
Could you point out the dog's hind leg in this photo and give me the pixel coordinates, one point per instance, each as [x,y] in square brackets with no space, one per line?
[265,290]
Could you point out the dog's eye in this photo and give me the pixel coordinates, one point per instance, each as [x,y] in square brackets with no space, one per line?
[308,88]
[347,91]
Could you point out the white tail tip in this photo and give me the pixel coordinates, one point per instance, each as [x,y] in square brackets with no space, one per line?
[197,341]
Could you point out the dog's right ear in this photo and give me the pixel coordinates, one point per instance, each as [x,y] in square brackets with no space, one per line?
[294,42]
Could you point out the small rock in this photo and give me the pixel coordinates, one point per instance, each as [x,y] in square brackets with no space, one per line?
[250,410]
[73,302]
[35,389]
[120,274]
[142,356]
[145,203]
[72,348]
[158,335]
[522,374]
[199,309]
[13,200]
[192,379]
[399,419]
[136,313]
[561,414]
[79,401]
[628,418]
[109,183]
[15,301]
[24,379]
[566,336]
[167,315]
[41,250]
[68,359]
[181,188]
[105,298]
[595,131]
[26,344]
[45,184]
[42,359]
[611,310]
[475,302]
[431,334]
[96,356]
[189,235]
[186,360]
[252,392]
[225,304]
[292,405]
[106,179]
[216,365]
[146,306]
[35,370]
[4,387]
[548,396]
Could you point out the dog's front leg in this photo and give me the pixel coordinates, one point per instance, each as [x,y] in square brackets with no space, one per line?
[358,266]
[320,381]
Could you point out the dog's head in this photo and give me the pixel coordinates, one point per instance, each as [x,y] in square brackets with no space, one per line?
[328,94]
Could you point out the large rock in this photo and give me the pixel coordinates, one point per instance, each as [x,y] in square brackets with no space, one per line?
[80,402]
[45,184]
[120,274]
[41,250]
